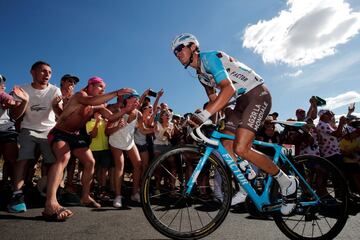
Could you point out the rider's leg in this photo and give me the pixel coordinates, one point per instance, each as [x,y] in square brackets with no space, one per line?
[243,148]
[240,195]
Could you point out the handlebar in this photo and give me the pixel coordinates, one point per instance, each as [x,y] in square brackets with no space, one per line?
[198,136]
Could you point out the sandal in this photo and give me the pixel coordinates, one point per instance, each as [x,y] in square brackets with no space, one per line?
[91,204]
[58,216]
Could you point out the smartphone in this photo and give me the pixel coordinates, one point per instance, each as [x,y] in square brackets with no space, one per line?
[152,93]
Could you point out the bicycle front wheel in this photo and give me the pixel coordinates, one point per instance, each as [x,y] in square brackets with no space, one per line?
[165,204]
[326,219]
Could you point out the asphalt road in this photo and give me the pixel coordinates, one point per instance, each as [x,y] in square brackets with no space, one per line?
[130,223]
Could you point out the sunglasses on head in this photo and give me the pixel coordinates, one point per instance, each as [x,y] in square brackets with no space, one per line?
[179,49]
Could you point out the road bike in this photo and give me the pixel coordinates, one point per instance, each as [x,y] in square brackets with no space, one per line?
[186,192]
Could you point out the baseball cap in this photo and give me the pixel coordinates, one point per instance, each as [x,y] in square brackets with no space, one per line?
[67,76]
[133,94]
[95,80]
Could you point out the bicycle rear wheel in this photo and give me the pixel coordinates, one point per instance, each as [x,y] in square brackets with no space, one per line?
[163,194]
[326,219]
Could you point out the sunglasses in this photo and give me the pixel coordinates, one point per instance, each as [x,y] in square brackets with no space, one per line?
[69,80]
[178,49]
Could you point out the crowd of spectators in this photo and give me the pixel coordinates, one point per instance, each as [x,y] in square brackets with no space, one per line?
[77,139]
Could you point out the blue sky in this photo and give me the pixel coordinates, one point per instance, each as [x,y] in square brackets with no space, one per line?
[127,43]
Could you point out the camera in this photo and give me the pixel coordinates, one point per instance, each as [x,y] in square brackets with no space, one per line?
[319,101]
[152,93]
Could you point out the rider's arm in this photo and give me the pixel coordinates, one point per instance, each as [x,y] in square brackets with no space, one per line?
[227,90]
[210,91]
[215,67]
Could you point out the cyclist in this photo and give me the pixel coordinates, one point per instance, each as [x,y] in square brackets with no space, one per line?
[216,69]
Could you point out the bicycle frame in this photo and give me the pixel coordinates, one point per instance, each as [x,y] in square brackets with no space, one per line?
[262,201]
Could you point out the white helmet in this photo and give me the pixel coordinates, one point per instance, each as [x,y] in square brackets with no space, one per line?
[184,38]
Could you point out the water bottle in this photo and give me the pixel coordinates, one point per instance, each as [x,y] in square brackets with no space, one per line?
[246,168]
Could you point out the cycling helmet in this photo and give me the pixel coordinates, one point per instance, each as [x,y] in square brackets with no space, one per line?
[184,38]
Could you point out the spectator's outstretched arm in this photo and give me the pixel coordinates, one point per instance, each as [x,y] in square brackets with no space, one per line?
[141,125]
[339,131]
[57,106]
[155,107]
[312,112]
[84,99]
[18,111]
[142,98]
[113,127]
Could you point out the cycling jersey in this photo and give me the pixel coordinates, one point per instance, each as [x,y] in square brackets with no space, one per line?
[216,66]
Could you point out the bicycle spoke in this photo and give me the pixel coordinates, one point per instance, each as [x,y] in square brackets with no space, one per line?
[317,223]
[169,210]
[326,218]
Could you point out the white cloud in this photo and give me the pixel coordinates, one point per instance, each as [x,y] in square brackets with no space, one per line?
[342,100]
[332,72]
[294,74]
[308,30]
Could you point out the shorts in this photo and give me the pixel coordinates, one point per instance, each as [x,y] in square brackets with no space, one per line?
[8,136]
[142,148]
[29,139]
[161,148]
[74,140]
[250,110]
[103,158]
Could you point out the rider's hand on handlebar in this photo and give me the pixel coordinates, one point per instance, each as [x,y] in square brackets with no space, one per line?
[200,117]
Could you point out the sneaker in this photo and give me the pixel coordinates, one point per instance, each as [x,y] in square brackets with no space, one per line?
[239,197]
[289,197]
[135,197]
[117,203]
[17,204]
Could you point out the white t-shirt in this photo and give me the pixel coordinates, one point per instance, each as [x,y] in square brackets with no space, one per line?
[39,115]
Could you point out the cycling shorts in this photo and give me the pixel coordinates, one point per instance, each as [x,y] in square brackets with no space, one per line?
[250,110]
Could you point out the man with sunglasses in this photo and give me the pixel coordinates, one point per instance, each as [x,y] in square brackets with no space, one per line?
[217,70]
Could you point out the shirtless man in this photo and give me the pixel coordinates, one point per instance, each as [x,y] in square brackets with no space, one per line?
[65,138]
